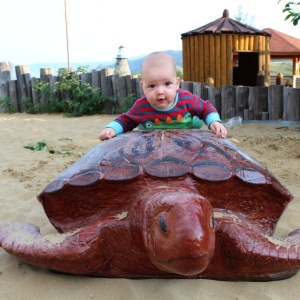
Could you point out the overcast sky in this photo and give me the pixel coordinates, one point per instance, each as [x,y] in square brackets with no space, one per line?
[34,31]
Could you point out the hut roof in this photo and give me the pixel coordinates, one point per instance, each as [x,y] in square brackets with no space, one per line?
[225,25]
[283,44]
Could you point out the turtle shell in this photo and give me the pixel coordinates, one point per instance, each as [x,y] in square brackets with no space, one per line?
[109,179]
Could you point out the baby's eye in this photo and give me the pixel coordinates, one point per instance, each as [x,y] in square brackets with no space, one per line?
[152,86]
[168,83]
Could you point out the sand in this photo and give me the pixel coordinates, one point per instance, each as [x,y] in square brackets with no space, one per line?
[24,173]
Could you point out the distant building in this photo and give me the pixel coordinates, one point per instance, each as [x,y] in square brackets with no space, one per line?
[121,66]
[283,46]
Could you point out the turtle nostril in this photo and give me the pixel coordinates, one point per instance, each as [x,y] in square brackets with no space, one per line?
[163,224]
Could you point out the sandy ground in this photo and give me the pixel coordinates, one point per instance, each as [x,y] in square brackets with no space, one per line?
[23,173]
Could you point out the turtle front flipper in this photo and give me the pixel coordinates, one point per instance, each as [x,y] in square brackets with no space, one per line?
[75,252]
[243,252]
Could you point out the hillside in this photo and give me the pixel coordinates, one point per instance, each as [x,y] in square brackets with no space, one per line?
[135,64]
[283,66]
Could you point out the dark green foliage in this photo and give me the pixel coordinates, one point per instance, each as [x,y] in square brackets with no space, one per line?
[7,105]
[42,146]
[128,102]
[69,95]
[292,14]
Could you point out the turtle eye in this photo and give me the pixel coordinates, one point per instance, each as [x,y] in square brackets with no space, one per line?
[163,224]
[212,222]
[148,125]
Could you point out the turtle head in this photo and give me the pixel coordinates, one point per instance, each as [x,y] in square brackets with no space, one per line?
[178,232]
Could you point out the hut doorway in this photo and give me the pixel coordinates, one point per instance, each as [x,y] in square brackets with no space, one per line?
[246,68]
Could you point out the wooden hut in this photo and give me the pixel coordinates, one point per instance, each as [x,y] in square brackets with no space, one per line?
[230,52]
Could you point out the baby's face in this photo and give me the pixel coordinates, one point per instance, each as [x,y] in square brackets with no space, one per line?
[159,85]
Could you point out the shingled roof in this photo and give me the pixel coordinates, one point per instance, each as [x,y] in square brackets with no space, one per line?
[283,44]
[225,25]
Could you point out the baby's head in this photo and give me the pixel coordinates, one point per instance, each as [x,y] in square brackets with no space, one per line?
[158,79]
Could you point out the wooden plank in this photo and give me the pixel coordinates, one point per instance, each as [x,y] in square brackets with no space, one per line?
[275,103]
[291,104]
[223,59]
[187,85]
[228,102]
[35,93]
[268,61]
[196,60]
[96,79]
[218,61]
[256,43]
[4,80]
[201,58]
[22,91]
[214,96]
[138,89]
[46,73]
[206,57]
[184,58]
[251,43]
[246,41]
[128,85]
[198,89]
[5,77]
[187,60]
[235,42]
[212,57]
[119,90]
[258,102]
[13,90]
[229,61]
[192,57]
[105,79]
[241,43]
[241,102]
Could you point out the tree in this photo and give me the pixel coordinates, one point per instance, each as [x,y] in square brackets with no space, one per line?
[242,17]
[291,12]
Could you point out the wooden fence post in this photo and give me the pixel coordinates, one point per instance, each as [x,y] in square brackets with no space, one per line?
[187,85]
[119,90]
[23,84]
[96,79]
[228,102]
[291,104]
[5,77]
[275,103]
[241,102]
[214,96]
[198,89]
[258,102]
[279,79]
[45,76]
[13,87]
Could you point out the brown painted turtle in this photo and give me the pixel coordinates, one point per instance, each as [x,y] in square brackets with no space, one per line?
[162,204]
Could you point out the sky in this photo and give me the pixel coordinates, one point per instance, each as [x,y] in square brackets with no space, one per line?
[34,31]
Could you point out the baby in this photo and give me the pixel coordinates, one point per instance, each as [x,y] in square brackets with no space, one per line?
[164,105]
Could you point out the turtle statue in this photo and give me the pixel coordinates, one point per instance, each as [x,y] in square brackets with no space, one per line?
[162,204]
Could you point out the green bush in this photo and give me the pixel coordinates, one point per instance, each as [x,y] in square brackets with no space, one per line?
[7,105]
[77,98]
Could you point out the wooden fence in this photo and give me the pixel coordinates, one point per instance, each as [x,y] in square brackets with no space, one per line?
[274,102]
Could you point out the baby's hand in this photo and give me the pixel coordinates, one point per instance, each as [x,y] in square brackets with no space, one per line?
[218,128]
[106,134]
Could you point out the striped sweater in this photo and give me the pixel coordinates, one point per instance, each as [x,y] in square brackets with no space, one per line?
[185,105]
